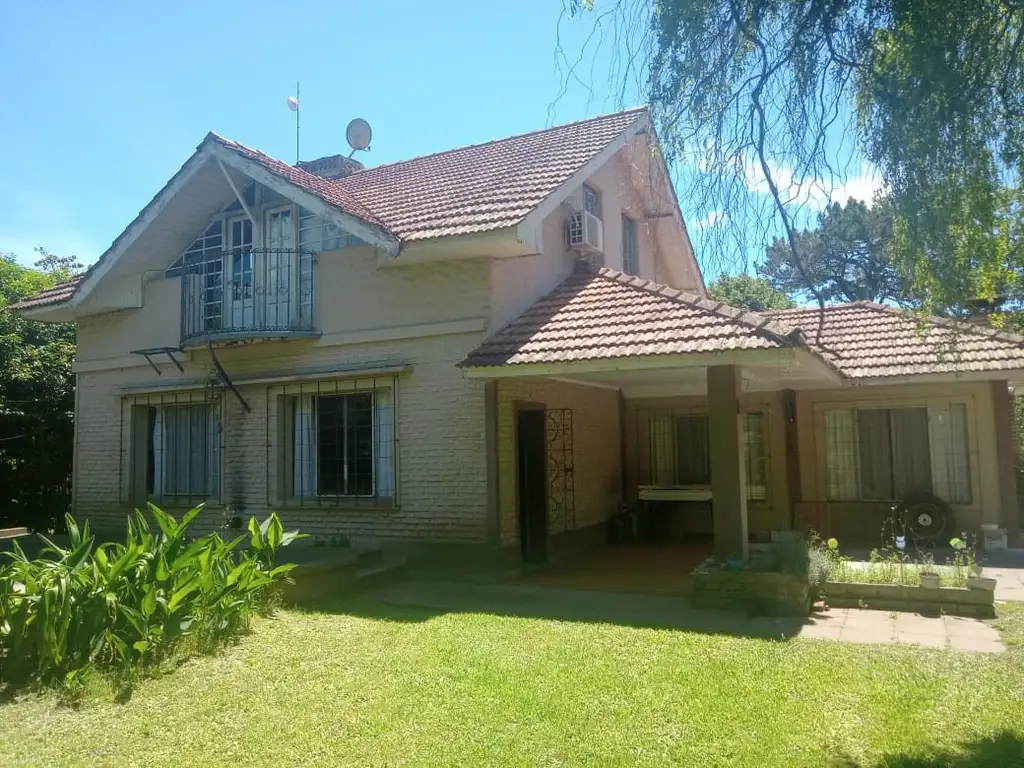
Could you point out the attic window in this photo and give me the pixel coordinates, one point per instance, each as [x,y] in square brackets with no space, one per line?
[591,200]
[317,234]
[249,195]
[207,247]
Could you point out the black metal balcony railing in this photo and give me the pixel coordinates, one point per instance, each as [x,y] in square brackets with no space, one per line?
[247,292]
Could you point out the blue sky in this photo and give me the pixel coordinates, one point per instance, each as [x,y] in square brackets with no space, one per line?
[105,101]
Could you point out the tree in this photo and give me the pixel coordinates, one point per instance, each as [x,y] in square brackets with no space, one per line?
[846,257]
[748,292]
[36,398]
[766,104]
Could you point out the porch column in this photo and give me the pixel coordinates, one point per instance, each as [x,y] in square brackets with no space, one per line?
[728,481]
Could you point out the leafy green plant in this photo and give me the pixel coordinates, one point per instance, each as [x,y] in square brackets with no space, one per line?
[124,607]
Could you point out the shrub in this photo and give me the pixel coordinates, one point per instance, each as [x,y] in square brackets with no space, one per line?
[124,607]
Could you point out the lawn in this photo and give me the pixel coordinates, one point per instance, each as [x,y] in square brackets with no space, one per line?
[367,685]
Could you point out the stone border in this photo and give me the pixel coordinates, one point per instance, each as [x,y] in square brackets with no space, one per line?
[955,601]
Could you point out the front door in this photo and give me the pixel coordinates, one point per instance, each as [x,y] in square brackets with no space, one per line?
[532,483]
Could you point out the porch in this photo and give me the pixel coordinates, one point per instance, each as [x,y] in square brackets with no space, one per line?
[616,395]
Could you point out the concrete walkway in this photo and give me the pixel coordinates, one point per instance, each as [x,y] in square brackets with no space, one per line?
[885,627]
[1007,568]
[670,612]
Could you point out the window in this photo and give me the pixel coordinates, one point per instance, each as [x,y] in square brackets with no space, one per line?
[176,451]
[628,246]
[341,444]
[317,234]
[591,200]
[885,454]
[680,451]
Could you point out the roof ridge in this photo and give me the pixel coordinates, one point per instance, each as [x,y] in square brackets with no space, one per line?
[364,171]
[986,331]
[756,321]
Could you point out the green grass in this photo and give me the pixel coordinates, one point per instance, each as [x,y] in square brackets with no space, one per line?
[406,687]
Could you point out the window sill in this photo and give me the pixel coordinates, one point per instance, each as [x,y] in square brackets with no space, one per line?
[368,503]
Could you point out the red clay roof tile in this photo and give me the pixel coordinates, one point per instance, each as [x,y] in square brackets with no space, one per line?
[867,340]
[601,314]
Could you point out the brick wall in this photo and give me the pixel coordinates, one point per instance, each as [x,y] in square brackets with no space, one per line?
[442,472]
[442,478]
[597,464]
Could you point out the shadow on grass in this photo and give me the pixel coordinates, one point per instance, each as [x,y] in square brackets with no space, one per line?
[1003,750]
[417,602]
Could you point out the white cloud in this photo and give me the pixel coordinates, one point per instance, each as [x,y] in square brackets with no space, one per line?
[815,193]
[713,219]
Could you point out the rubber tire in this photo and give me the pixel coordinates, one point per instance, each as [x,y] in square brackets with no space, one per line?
[942,515]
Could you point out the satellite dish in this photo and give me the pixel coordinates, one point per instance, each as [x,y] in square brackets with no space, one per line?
[293,104]
[358,134]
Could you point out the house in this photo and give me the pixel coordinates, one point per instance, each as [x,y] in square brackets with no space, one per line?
[481,355]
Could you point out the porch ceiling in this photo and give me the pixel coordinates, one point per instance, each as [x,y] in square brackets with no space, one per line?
[764,372]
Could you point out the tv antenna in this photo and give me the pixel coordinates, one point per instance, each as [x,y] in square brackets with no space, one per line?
[293,105]
[358,134]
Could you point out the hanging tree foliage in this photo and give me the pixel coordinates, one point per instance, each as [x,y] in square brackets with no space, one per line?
[770,105]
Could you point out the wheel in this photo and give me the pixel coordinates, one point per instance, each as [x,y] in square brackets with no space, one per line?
[926,515]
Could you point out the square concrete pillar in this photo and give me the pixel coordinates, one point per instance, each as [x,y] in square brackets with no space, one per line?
[728,474]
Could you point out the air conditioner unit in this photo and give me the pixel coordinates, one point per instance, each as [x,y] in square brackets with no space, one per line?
[586,232]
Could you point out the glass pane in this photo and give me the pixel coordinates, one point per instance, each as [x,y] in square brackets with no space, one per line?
[911,452]
[693,457]
[875,447]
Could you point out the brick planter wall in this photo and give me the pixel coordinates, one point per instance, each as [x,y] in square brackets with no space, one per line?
[955,601]
[756,592]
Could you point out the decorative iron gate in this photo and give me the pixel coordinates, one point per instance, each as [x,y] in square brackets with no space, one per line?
[561,491]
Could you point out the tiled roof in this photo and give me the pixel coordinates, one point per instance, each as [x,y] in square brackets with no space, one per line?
[55,295]
[866,340]
[601,314]
[481,187]
[472,189]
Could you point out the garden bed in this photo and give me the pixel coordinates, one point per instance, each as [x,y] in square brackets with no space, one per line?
[957,601]
[753,591]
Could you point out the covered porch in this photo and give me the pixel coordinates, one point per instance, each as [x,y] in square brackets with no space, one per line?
[616,405]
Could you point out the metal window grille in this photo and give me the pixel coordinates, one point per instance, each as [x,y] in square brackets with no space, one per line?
[171,448]
[678,450]
[333,442]
[591,200]
[629,245]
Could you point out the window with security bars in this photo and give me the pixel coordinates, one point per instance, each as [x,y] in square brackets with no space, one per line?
[173,446]
[629,246]
[337,441]
[680,451]
[886,454]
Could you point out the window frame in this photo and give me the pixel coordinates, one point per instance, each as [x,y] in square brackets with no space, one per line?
[755,494]
[592,193]
[286,446]
[631,255]
[138,467]
[826,413]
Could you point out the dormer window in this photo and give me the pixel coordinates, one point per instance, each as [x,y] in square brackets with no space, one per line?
[591,200]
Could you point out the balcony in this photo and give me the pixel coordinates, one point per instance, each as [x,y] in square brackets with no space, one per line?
[245,294]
